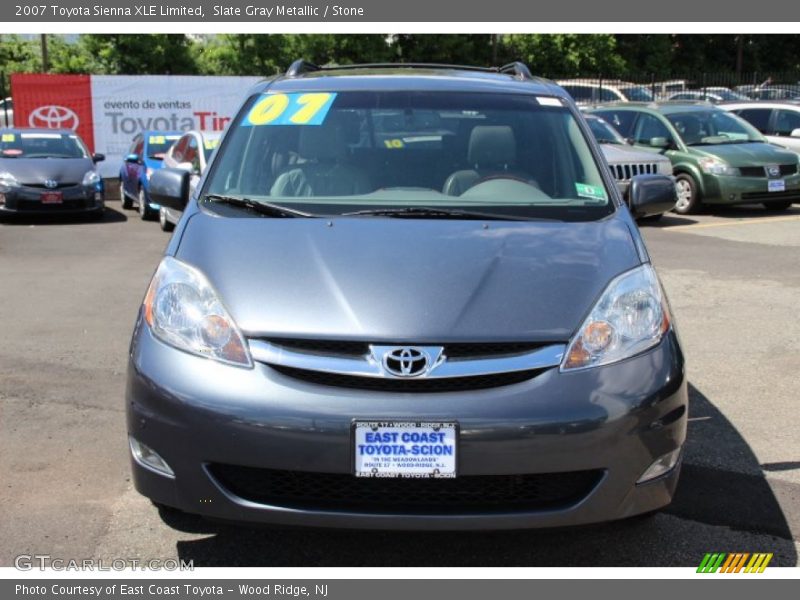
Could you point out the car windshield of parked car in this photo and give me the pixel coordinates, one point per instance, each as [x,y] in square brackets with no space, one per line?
[17,144]
[637,93]
[341,152]
[698,128]
[158,145]
[605,133]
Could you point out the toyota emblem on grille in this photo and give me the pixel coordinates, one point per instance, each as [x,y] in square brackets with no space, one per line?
[773,171]
[405,362]
[50,183]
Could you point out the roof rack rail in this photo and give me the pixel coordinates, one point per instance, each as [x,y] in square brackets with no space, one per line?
[302,66]
[516,68]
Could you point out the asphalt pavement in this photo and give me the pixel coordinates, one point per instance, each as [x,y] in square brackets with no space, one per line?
[69,293]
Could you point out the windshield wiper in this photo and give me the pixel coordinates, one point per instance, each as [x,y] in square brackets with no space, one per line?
[265,208]
[425,212]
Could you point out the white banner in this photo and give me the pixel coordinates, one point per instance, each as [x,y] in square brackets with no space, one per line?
[124,105]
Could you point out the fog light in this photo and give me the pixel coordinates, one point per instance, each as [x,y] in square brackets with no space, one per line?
[661,466]
[149,458]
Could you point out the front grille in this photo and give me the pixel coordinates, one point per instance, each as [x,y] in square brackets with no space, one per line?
[761,172]
[454,350]
[624,172]
[426,386]
[347,493]
[793,195]
[41,186]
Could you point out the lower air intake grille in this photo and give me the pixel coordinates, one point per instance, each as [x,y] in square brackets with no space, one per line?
[347,493]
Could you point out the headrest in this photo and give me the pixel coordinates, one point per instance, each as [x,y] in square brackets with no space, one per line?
[491,145]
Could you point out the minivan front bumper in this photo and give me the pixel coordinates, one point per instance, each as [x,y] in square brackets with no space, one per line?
[200,416]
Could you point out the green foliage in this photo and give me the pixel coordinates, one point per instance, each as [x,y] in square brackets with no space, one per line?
[554,55]
[565,55]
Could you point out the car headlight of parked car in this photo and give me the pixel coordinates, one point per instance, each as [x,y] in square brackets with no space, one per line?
[90,179]
[712,166]
[184,311]
[8,181]
[630,317]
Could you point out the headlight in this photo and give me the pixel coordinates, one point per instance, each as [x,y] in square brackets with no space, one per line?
[91,178]
[7,180]
[184,311]
[717,167]
[631,316]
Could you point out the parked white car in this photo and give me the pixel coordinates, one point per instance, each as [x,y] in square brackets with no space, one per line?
[191,152]
[778,121]
[591,91]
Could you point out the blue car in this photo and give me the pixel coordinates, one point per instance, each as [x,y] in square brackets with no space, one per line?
[145,155]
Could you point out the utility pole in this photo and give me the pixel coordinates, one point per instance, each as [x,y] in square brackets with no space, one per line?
[45,60]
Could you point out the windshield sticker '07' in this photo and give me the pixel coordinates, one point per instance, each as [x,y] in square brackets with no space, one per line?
[594,192]
[290,109]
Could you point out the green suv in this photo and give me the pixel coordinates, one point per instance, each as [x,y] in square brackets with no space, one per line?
[717,157]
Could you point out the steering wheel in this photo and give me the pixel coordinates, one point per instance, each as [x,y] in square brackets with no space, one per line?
[529,182]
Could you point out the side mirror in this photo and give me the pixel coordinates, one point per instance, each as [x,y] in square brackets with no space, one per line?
[795,133]
[170,188]
[132,158]
[650,195]
[97,157]
[659,142]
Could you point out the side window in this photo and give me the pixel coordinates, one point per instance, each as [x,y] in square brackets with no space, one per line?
[622,120]
[757,117]
[180,149]
[649,127]
[191,155]
[579,93]
[607,95]
[138,147]
[786,122]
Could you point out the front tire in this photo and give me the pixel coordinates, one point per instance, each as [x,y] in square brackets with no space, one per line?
[781,205]
[688,195]
[125,202]
[145,212]
[162,220]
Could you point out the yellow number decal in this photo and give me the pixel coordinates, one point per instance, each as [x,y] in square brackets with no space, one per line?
[395,143]
[311,104]
[268,109]
[8,137]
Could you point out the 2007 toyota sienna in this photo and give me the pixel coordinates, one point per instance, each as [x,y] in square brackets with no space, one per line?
[407,296]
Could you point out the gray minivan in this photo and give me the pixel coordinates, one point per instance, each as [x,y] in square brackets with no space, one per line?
[407,296]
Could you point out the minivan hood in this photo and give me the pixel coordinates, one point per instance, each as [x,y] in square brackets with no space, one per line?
[755,154]
[33,171]
[407,280]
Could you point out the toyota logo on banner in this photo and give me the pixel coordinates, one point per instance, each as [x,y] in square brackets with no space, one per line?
[54,117]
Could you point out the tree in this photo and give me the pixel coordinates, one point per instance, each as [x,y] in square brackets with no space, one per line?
[155,53]
[565,55]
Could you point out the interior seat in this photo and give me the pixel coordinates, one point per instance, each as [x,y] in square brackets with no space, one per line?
[492,151]
[324,172]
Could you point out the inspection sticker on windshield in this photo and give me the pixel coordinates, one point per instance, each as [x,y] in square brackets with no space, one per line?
[8,137]
[291,109]
[595,192]
[776,185]
[405,449]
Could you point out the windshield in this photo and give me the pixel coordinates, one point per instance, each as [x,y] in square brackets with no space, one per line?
[637,93]
[604,133]
[158,144]
[15,144]
[334,153]
[699,128]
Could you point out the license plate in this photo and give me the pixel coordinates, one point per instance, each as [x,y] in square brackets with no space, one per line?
[405,449]
[776,185]
[51,198]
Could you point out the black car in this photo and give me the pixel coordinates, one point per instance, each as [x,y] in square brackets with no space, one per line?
[48,171]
